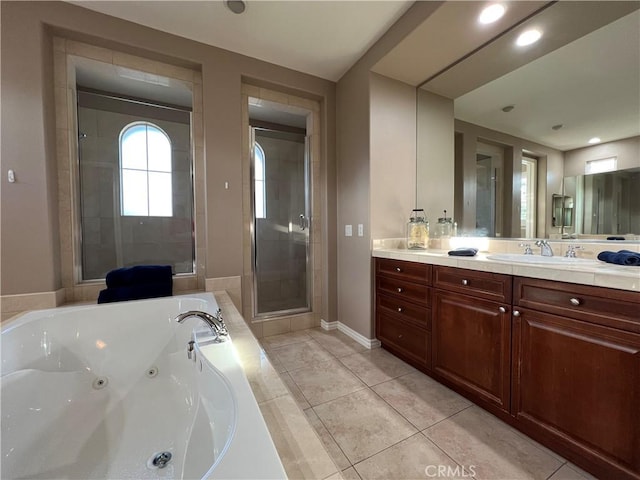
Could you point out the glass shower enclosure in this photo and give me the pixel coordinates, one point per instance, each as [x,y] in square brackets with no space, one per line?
[281,222]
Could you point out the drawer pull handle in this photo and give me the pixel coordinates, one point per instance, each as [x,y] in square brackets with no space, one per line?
[502,309]
[399,290]
[516,313]
[575,301]
[398,269]
[400,309]
[465,282]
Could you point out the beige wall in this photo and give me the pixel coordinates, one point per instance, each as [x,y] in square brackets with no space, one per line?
[30,251]
[626,150]
[393,155]
[355,173]
[435,151]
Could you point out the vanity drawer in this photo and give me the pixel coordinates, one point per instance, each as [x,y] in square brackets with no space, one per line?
[410,271]
[603,306]
[492,286]
[407,291]
[396,307]
[411,341]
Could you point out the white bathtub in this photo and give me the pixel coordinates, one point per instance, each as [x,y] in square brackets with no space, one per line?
[98,391]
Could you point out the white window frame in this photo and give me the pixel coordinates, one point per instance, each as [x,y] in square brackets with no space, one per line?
[147,171]
[260,184]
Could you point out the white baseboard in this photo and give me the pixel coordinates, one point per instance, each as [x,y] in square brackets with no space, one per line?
[328,325]
[350,332]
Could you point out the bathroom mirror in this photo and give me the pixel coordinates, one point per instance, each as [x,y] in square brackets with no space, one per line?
[607,204]
[537,107]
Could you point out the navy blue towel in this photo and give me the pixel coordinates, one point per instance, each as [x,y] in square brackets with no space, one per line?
[136,292]
[623,257]
[140,274]
[463,252]
[615,238]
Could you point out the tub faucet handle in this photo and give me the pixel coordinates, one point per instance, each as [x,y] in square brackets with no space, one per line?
[190,353]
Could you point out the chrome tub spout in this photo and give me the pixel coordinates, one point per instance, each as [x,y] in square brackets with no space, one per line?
[214,322]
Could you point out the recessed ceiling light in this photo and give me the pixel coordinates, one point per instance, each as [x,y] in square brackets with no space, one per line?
[491,14]
[236,6]
[594,140]
[528,37]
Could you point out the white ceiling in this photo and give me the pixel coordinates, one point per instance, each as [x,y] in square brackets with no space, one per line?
[591,86]
[321,38]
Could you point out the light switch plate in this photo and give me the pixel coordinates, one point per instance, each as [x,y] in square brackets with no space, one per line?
[348,230]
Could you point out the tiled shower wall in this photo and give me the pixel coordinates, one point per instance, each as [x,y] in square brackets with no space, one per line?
[111,240]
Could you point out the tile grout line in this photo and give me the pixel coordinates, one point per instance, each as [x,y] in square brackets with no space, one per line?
[334,440]
[556,470]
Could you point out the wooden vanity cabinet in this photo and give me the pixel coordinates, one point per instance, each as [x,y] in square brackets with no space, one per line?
[471,331]
[576,378]
[559,361]
[403,313]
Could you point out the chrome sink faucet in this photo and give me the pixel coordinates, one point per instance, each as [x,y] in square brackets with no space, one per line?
[214,322]
[545,248]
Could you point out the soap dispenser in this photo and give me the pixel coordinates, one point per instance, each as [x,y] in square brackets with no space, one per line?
[417,230]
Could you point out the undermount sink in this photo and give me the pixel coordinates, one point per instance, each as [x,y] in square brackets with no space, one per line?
[539,259]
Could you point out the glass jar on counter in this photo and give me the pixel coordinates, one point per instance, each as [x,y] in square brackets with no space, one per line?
[417,230]
[445,227]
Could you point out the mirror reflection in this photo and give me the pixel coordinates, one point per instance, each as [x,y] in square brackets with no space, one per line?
[606,204]
[527,143]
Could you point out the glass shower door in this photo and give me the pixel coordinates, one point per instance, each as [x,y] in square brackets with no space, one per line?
[281,225]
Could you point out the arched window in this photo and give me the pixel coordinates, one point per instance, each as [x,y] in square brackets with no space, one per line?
[145,171]
[260,192]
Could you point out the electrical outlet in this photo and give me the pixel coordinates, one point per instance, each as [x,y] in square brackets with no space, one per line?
[360,230]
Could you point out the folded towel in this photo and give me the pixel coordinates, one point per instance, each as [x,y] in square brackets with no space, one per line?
[623,257]
[615,238]
[140,274]
[463,252]
[136,292]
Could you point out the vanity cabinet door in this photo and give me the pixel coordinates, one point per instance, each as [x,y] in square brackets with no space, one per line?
[471,343]
[577,385]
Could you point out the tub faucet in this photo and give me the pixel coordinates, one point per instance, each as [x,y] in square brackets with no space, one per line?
[545,248]
[214,322]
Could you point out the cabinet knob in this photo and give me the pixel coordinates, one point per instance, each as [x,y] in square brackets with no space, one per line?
[502,309]
[516,313]
[398,269]
[575,301]
[465,282]
[400,336]
[399,290]
[400,309]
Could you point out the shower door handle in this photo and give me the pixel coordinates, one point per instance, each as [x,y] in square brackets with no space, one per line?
[303,222]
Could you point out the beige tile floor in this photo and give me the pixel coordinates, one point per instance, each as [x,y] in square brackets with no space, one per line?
[380,418]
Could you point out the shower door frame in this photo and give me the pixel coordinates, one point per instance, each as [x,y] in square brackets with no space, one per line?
[307,221]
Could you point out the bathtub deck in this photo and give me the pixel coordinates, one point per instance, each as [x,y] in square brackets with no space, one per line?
[302,453]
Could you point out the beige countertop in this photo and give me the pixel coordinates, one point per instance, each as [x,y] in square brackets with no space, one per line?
[598,274]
